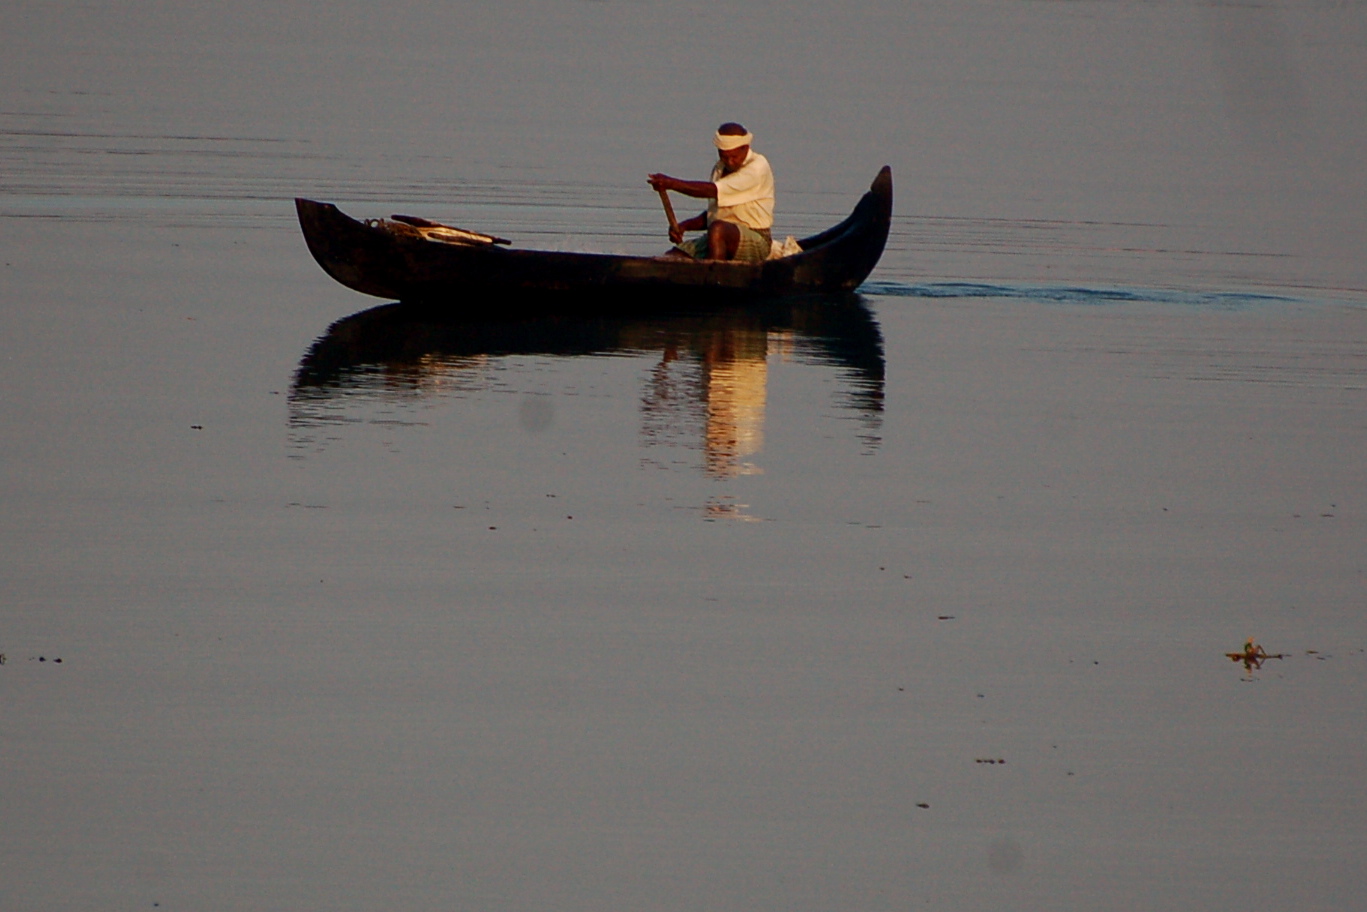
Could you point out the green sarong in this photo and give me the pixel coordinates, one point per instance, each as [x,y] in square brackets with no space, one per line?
[753,248]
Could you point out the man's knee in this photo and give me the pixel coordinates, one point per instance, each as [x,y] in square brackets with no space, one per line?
[723,240]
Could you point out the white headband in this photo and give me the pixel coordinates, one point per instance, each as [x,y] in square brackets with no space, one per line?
[724,142]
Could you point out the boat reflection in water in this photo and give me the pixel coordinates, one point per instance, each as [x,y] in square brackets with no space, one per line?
[708,388]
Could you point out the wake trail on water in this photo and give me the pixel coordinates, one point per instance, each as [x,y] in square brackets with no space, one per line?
[1072,294]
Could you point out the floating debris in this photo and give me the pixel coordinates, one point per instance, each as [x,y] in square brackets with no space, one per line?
[993,760]
[1253,655]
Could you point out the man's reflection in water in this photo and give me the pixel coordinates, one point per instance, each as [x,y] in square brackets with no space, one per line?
[736,373]
[719,395]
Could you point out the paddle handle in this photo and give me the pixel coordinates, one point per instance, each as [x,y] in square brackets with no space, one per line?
[669,210]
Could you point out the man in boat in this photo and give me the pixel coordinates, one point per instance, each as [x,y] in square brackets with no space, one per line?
[740,202]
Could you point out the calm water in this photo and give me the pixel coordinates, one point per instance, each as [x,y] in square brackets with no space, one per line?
[920,599]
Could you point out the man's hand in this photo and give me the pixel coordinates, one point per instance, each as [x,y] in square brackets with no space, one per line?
[660,181]
[676,234]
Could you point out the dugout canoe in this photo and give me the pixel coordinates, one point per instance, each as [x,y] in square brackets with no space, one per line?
[390,260]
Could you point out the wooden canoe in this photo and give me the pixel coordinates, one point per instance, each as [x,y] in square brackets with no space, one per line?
[403,265]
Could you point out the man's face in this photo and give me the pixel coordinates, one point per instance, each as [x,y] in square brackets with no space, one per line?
[731,159]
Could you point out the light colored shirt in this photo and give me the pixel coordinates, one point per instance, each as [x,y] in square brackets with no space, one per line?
[746,195]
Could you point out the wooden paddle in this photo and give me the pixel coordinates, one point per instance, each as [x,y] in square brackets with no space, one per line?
[448,232]
[669,210]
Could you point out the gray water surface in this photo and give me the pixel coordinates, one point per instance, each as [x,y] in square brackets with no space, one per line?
[920,599]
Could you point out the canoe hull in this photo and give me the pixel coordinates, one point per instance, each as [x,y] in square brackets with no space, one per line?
[375,261]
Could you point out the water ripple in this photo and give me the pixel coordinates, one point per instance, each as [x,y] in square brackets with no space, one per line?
[1076,295]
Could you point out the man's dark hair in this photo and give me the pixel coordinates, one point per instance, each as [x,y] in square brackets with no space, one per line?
[732,129]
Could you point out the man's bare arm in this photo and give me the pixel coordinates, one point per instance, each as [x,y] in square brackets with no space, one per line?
[695,189]
[696,223]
